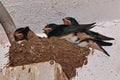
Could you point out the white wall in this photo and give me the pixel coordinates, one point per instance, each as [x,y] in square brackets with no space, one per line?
[38,13]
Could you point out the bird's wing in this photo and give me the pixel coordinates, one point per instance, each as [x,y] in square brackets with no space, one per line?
[99,42]
[87,26]
[97,35]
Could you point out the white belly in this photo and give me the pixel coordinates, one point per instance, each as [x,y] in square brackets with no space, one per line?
[70,37]
[83,44]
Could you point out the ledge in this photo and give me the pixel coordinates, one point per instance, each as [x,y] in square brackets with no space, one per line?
[49,70]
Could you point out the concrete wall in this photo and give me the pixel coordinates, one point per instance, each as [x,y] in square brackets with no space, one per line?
[38,13]
[36,71]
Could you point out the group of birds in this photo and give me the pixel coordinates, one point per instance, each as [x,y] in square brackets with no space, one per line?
[72,31]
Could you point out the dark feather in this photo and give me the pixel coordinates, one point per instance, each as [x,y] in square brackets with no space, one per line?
[99,42]
[104,51]
[97,35]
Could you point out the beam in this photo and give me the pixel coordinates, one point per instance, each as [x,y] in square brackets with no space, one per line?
[7,22]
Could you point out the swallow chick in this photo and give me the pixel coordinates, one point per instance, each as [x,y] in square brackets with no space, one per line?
[21,33]
[73,22]
[84,28]
[95,44]
[56,30]
[61,31]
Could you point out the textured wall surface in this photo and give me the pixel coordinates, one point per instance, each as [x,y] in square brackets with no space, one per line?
[38,13]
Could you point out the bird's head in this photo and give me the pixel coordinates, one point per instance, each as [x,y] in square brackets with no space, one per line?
[49,28]
[70,21]
[21,33]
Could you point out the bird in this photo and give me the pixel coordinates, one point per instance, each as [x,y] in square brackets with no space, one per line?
[21,33]
[61,31]
[84,28]
[65,30]
[56,30]
[73,22]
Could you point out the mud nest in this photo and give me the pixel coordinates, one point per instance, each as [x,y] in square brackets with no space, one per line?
[35,50]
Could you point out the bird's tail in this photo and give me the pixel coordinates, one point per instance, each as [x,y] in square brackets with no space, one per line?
[88,26]
[91,25]
[99,42]
[99,36]
[104,51]
[102,43]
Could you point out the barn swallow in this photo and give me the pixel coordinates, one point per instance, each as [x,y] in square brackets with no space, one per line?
[64,29]
[84,28]
[21,33]
[56,30]
[73,22]
[61,31]
[95,44]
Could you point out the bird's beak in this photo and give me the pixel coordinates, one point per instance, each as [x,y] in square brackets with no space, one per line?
[44,31]
[19,36]
[47,30]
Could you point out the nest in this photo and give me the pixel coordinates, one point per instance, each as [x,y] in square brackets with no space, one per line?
[35,50]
